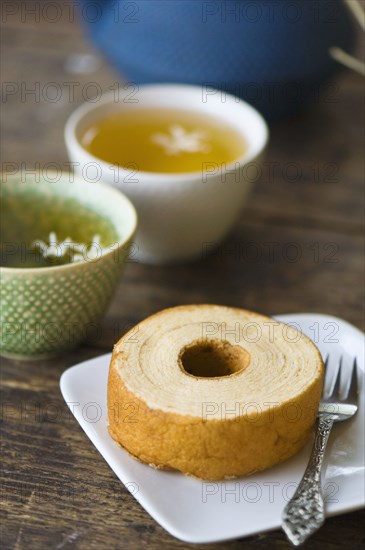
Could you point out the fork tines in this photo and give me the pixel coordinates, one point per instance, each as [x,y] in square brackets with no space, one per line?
[351,391]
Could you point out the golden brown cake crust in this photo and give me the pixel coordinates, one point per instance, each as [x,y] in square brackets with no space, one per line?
[210,448]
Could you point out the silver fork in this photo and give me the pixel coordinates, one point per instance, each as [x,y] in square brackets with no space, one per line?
[304,514]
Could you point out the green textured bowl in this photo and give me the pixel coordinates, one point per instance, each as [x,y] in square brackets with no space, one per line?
[48,310]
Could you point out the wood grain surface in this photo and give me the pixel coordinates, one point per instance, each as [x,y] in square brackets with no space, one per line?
[298,247]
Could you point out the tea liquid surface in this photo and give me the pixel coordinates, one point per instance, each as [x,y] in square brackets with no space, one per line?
[164,141]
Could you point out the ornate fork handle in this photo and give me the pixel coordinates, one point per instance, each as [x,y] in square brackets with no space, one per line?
[304,513]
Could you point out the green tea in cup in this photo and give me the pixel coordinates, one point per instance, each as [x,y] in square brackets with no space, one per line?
[183,157]
[64,245]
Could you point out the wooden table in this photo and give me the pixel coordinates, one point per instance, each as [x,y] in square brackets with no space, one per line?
[57,491]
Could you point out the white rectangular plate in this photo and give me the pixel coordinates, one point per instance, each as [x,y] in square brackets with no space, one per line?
[202,512]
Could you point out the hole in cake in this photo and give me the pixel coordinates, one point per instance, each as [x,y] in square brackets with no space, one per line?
[213,358]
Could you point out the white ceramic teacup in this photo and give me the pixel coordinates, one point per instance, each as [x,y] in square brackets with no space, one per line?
[181,214]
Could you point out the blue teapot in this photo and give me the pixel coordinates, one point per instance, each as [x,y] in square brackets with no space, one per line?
[272,53]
